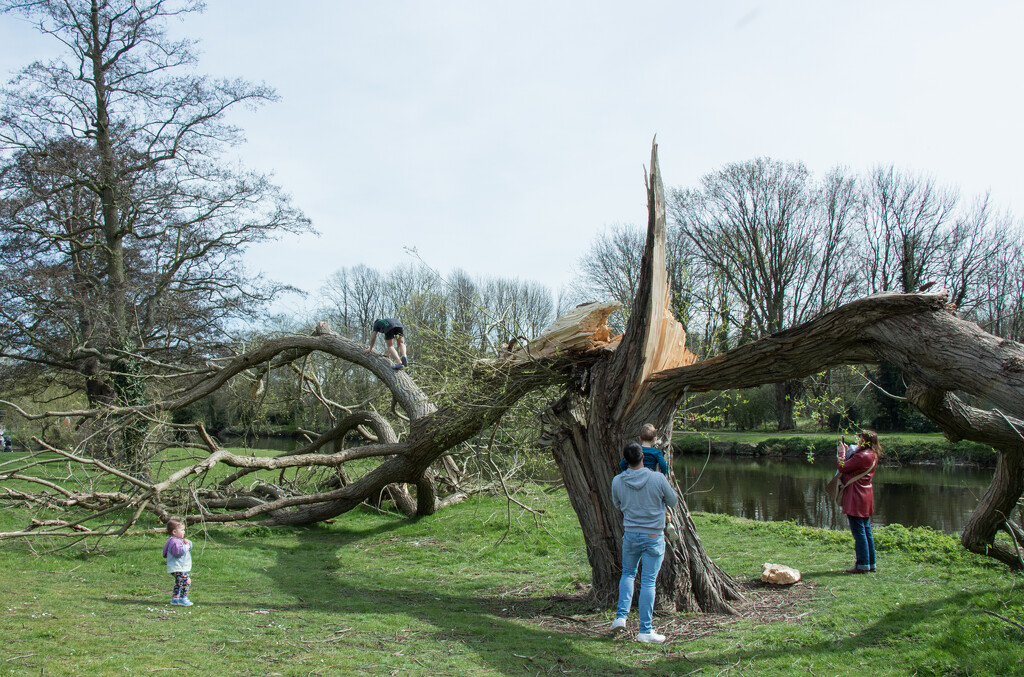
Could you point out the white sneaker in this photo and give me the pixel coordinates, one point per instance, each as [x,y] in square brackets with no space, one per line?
[650,637]
[618,625]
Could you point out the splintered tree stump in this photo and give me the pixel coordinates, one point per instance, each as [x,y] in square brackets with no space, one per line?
[604,406]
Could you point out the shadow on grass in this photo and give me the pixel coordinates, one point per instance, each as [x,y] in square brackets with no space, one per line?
[506,633]
[490,626]
[885,634]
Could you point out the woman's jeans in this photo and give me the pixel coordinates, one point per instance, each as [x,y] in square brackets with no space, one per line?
[863,542]
[648,551]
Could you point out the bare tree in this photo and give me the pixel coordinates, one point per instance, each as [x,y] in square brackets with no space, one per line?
[904,224]
[465,303]
[904,237]
[975,238]
[771,243]
[1001,287]
[516,308]
[353,299]
[610,270]
[122,233]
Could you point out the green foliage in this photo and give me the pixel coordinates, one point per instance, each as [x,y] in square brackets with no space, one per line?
[923,543]
[805,445]
[907,449]
[256,532]
[745,409]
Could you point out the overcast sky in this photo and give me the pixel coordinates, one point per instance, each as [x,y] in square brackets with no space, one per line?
[500,137]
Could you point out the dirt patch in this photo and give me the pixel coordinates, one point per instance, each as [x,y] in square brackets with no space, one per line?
[763,604]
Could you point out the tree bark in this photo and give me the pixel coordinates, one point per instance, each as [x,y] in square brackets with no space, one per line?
[996,506]
[605,405]
[784,402]
[995,511]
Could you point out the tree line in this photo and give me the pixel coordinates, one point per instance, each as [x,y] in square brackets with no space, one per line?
[763,245]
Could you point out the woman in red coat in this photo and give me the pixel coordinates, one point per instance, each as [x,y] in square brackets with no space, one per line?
[857,464]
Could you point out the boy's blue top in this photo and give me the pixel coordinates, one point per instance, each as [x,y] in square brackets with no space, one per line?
[653,460]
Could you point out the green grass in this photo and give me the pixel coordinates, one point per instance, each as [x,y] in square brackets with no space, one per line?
[466,592]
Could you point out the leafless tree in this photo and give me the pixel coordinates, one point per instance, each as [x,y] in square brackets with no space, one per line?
[353,299]
[771,245]
[122,233]
[975,238]
[1000,285]
[516,308]
[610,270]
[904,223]
[465,303]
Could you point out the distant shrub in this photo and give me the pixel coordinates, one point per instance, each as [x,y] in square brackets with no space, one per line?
[919,542]
[911,451]
[895,449]
[256,531]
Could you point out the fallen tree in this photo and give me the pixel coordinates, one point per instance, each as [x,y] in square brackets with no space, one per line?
[610,386]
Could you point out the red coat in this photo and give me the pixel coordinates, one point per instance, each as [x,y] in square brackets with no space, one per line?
[858,498]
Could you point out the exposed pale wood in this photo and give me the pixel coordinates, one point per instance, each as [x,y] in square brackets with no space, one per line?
[581,329]
[666,342]
[664,339]
[589,424]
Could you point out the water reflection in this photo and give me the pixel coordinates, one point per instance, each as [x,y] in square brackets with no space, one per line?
[792,489]
[941,497]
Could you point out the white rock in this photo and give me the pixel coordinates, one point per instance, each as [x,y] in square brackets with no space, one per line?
[779,574]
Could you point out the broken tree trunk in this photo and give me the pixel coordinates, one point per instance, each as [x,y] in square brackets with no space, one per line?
[997,505]
[604,407]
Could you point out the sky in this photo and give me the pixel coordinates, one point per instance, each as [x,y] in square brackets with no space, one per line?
[502,137]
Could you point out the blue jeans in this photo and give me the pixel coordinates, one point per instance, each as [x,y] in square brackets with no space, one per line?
[637,549]
[863,541]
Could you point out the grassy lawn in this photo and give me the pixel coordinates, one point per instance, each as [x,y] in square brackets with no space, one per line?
[475,590]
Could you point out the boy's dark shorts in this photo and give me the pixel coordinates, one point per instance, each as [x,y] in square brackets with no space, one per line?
[393,332]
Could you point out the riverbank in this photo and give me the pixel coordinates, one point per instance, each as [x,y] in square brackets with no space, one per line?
[942,497]
[481,590]
[897,448]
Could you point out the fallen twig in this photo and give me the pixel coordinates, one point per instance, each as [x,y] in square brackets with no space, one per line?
[14,658]
[1003,618]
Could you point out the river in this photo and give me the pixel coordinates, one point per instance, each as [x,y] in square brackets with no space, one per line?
[941,497]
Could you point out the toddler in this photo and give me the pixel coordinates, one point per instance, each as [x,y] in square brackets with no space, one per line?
[178,552]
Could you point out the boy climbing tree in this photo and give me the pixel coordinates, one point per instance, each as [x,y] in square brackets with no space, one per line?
[393,331]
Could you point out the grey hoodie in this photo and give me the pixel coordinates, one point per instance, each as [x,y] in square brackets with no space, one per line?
[642,496]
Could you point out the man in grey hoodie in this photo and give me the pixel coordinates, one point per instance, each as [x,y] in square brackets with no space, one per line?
[642,496]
